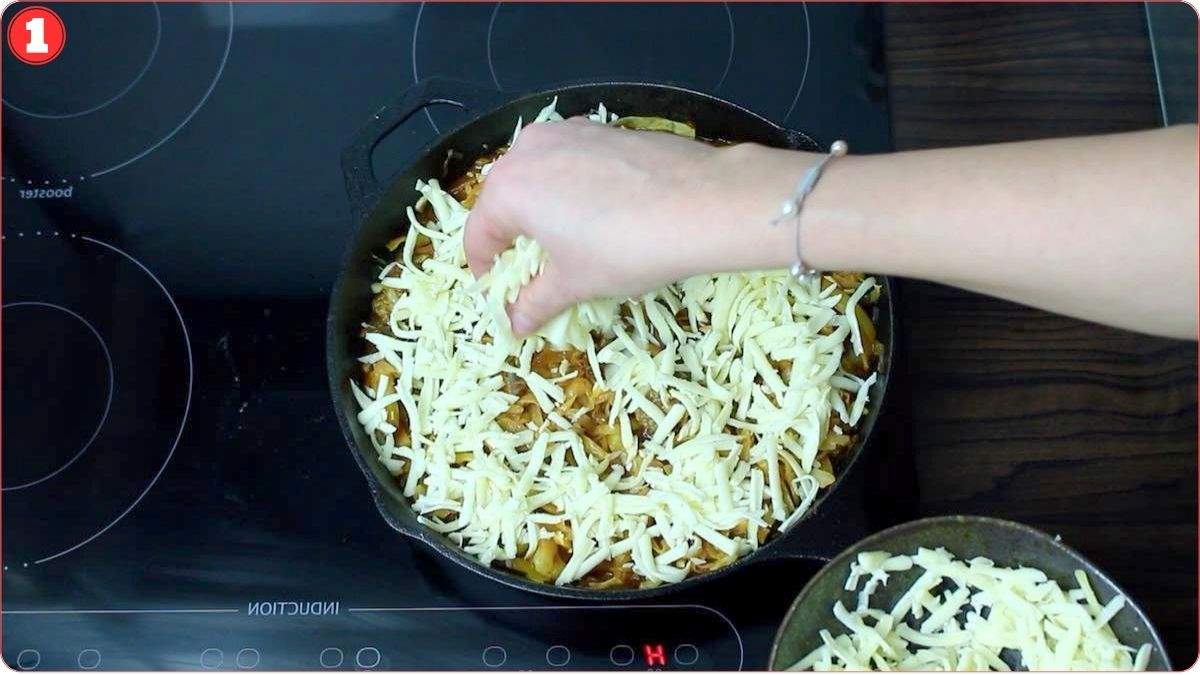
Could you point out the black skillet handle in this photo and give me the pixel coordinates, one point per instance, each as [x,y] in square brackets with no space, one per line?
[361,183]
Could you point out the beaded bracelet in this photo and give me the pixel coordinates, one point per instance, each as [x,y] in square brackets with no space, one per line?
[791,207]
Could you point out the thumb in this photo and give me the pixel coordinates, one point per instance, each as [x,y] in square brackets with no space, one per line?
[542,299]
[486,235]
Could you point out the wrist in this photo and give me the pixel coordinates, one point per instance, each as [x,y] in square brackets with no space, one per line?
[827,232]
[833,221]
[746,187]
[741,189]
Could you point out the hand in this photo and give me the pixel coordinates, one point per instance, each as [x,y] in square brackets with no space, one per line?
[620,213]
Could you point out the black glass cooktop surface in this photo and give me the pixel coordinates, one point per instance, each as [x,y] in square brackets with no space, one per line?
[176,492]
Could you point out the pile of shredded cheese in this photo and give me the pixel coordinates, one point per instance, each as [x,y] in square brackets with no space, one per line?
[964,615]
[704,380]
[511,271]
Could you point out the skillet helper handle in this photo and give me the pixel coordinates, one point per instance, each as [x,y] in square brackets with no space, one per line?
[361,183]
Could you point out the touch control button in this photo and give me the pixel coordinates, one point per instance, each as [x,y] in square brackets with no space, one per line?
[88,659]
[494,656]
[29,659]
[621,655]
[332,657]
[247,658]
[558,656]
[686,655]
[211,658]
[367,657]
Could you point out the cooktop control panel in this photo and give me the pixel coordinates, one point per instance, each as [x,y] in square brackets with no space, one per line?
[328,634]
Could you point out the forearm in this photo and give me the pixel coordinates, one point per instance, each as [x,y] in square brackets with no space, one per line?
[1100,228]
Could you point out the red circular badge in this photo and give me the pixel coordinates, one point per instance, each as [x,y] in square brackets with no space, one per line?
[36,35]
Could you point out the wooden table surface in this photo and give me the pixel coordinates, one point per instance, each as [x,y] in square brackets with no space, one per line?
[1079,430]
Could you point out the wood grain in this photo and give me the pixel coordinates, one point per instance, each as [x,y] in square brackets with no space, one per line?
[1080,430]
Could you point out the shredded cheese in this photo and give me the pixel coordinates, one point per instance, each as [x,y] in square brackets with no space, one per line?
[971,615]
[699,380]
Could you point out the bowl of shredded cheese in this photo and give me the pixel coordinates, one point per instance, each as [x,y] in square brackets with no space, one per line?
[632,444]
[964,593]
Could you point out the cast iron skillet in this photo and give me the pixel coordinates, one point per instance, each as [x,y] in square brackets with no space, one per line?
[378,211]
[1009,544]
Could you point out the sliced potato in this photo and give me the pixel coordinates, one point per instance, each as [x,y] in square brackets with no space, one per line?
[658,124]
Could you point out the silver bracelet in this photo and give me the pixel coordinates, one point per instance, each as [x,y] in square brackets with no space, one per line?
[791,207]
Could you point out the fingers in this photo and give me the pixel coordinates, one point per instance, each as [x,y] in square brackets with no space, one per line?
[486,235]
[542,299]
[503,208]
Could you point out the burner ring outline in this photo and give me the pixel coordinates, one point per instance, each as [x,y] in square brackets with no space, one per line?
[187,118]
[107,403]
[496,79]
[807,60]
[187,406]
[184,122]
[416,77]
[113,99]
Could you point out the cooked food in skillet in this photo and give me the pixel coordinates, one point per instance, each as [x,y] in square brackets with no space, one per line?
[971,615]
[629,443]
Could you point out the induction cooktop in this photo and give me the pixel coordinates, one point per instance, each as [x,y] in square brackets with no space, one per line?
[176,493]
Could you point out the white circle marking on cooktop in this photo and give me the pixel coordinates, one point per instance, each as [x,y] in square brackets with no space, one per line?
[491,25]
[686,654]
[88,659]
[496,79]
[732,42]
[416,77]
[621,655]
[107,403]
[494,656]
[558,656]
[247,658]
[187,118]
[28,659]
[367,657]
[331,657]
[109,101]
[807,58]
[187,405]
[211,658]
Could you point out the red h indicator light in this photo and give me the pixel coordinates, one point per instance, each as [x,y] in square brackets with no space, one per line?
[656,655]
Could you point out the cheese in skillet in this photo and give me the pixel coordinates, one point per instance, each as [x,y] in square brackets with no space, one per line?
[629,443]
